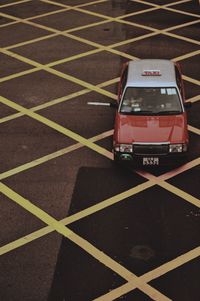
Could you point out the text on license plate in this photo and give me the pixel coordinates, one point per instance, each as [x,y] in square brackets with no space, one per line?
[150,161]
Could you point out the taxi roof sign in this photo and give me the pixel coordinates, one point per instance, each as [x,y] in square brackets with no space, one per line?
[165,68]
[151,73]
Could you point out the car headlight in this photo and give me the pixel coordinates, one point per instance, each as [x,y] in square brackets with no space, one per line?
[124,148]
[178,148]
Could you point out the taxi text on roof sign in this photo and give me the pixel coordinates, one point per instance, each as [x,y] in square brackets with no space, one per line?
[151,73]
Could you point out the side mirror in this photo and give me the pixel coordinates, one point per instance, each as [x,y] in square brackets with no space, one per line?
[188,104]
[114,105]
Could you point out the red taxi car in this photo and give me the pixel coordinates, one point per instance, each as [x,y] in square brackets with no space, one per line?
[151,122]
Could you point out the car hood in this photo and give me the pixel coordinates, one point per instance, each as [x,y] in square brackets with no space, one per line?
[131,128]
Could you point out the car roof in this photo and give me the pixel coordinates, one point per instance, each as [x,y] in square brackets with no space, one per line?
[140,73]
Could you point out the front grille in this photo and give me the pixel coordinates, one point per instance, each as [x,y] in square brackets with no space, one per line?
[150,149]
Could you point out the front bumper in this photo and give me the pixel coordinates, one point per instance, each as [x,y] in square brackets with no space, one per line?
[151,160]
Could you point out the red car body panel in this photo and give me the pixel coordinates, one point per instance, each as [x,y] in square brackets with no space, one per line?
[147,129]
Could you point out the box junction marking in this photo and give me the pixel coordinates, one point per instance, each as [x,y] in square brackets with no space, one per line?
[59,226]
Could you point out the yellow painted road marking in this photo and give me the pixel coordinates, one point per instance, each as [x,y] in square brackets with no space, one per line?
[24,21]
[39,213]
[63,75]
[24,240]
[82,83]
[82,243]
[159,299]
[194,130]
[58,100]
[19,74]
[56,11]
[181,12]
[194,99]
[174,172]
[14,3]
[90,3]
[154,274]
[171,265]
[44,14]
[95,14]
[74,57]
[160,181]
[100,206]
[108,155]
[173,35]
[185,56]
[8,24]
[191,80]
[47,28]
[146,10]
[77,216]
[56,127]
[131,40]
[163,5]
[155,7]
[85,41]
[177,2]
[58,33]
[77,8]
[180,169]
[119,20]
[182,25]
[82,27]
[17,244]
[32,41]
[180,193]
[60,74]
[70,148]
[54,155]
[20,58]
[52,64]
[166,7]
[62,130]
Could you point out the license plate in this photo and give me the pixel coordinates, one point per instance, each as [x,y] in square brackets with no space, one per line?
[151,161]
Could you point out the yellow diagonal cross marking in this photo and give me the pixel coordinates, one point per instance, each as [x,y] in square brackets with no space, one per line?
[77,216]
[53,155]
[59,100]
[14,3]
[60,74]
[154,274]
[56,127]
[84,244]
[103,204]
[180,193]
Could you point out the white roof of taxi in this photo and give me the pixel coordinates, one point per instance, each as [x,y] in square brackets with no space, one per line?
[165,67]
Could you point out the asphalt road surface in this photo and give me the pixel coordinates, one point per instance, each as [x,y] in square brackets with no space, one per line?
[74,225]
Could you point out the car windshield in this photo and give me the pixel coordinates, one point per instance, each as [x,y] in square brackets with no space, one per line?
[150,101]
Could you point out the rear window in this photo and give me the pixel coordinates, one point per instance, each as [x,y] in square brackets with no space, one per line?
[151,101]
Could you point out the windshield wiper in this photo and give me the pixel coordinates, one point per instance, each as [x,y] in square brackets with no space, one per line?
[167,113]
[138,113]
